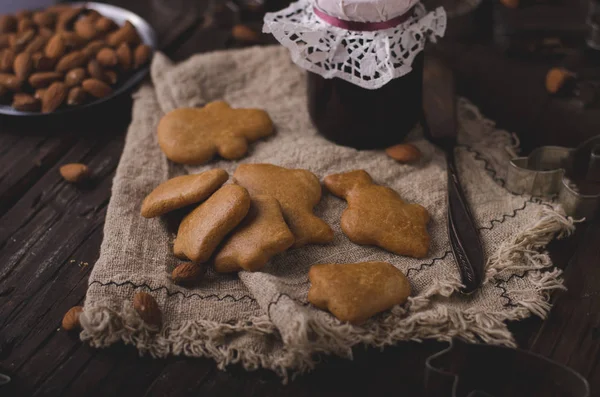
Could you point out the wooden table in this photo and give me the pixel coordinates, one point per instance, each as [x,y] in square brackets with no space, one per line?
[50,234]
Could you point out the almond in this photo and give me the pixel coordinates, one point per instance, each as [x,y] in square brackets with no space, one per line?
[92,15]
[76,96]
[557,79]
[39,93]
[45,33]
[75,77]
[23,65]
[4,40]
[92,48]
[41,62]
[44,19]
[22,39]
[104,25]
[107,57]
[510,3]
[25,24]
[96,88]
[54,96]
[187,273]
[85,28]
[95,70]
[56,47]
[8,23]
[245,34]
[124,56]
[125,34]
[70,61]
[7,59]
[141,55]
[74,172]
[71,319]
[37,44]
[145,305]
[44,79]
[73,40]
[404,153]
[25,103]
[12,39]
[66,17]
[110,77]
[10,81]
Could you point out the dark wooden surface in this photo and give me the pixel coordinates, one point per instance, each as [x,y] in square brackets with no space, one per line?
[50,233]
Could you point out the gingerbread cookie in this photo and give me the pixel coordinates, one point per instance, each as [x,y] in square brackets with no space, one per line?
[194,136]
[353,292]
[298,192]
[261,235]
[203,229]
[376,215]
[182,191]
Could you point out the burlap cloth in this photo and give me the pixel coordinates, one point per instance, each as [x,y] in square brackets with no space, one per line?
[263,319]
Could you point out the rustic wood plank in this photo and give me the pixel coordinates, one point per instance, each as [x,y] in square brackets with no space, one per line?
[571,333]
[512,92]
[181,377]
[45,277]
[24,162]
[27,360]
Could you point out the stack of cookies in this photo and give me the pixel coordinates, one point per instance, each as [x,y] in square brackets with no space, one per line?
[269,209]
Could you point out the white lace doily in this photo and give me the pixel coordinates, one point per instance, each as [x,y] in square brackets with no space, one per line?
[366,59]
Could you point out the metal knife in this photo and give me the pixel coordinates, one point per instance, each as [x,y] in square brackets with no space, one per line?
[439,111]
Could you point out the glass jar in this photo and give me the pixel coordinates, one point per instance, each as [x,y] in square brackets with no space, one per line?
[365,64]
[350,115]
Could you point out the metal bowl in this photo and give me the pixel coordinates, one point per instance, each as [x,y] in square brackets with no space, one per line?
[119,15]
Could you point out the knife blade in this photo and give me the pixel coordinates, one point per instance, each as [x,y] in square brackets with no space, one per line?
[440,125]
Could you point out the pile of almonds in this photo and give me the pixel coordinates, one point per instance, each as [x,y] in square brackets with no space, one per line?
[64,56]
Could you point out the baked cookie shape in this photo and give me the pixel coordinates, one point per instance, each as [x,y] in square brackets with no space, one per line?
[195,135]
[182,191]
[377,215]
[203,229]
[354,292]
[298,192]
[260,236]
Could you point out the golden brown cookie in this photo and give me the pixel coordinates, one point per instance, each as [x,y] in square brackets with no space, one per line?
[203,229]
[298,191]
[182,191]
[194,136]
[353,292]
[376,215]
[261,235]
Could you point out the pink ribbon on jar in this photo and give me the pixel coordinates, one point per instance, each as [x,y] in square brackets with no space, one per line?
[362,26]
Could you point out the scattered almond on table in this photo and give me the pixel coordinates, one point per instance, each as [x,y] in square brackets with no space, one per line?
[66,45]
[71,319]
[510,3]
[74,172]
[245,34]
[557,79]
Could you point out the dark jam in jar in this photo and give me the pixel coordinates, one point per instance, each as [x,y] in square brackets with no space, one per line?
[361,118]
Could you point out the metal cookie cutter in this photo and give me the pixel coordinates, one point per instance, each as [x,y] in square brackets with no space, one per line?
[573,174]
[477,370]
